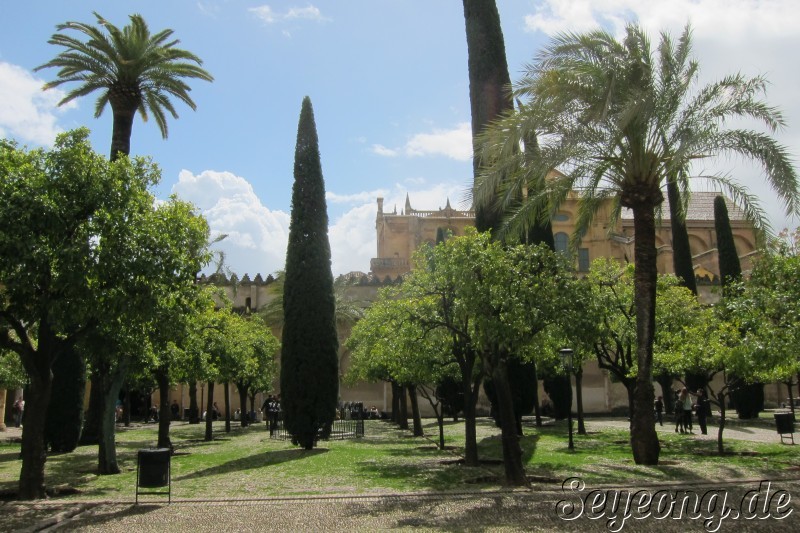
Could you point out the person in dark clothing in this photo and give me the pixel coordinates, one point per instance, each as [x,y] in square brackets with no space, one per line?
[659,408]
[702,407]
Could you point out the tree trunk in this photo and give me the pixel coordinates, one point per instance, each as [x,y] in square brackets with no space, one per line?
[396,392]
[791,400]
[488,81]
[194,410]
[3,409]
[720,448]
[644,440]
[34,455]
[244,416]
[470,431]
[415,416]
[440,423]
[164,415]
[579,398]
[94,414]
[122,127]
[210,412]
[512,453]
[403,421]
[127,410]
[110,384]
[537,408]
[227,389]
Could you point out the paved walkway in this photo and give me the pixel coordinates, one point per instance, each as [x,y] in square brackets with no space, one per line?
[543,508]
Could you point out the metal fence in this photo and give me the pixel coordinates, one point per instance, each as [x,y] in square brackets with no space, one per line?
[340,430]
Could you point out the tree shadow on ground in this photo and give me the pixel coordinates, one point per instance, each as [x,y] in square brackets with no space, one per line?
[253,461]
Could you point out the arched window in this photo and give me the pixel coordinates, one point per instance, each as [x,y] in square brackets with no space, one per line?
[561,241]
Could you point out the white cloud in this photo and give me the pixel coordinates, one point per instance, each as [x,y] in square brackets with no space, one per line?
[27,113]
[365,196]
[256,236]
[269,16]
[353,239]
[380,149]
[264,13]
[724,20]
[455,143]
[309,13]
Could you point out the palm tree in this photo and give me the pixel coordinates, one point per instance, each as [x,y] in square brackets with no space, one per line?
[134,70]
[617,120]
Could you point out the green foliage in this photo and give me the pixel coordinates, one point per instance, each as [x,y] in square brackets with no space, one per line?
[682,262]
[730,270]
[90,261]
[12,374]
[309,352]
[766,309]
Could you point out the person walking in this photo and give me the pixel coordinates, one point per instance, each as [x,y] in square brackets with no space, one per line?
[659,408]
[678,413]
[687,409]
[702,407]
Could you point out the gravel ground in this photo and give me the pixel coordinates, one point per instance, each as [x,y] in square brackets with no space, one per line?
[534,510]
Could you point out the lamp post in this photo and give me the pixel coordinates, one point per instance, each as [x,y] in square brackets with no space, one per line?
[566,356]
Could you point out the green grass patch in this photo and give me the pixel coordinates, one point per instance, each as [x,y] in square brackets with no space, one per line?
[246,463]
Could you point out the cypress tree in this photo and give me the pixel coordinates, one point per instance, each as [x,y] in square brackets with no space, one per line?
[488,80]
[62,429]
[729,267]
[748,398]
[309,352]
[681,252]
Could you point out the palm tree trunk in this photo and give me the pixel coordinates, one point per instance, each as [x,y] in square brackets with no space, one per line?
[644,440]
[121,130]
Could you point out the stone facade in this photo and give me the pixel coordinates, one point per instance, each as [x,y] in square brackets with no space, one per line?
[399,234]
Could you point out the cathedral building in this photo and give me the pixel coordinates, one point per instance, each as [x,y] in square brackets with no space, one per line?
[399,234]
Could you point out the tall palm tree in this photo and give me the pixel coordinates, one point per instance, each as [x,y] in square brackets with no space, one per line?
[134,70]
[617,121]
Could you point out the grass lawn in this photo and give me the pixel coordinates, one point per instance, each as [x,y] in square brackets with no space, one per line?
[246,463]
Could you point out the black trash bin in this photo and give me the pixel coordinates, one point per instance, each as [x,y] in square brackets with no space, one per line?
[153,471]
[784,423]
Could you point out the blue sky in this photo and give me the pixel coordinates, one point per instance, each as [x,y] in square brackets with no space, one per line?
[389,84]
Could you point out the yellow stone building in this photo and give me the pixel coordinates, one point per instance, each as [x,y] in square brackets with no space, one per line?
[399,234]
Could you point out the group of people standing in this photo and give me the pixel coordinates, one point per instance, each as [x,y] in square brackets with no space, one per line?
[685,404]
[272,412]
